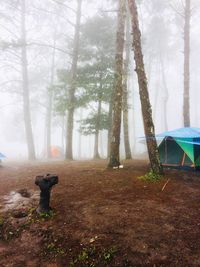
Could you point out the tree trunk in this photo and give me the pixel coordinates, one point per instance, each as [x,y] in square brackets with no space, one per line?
[125,92]
[49,104]
[156,89]
[186,101]
[71,107]
[48,123]
[114,159]
[96,145]
[63,132]
[143,90]
[166,94]
[101,144]
[25,86]
[80,137]
[96,140]
[109,127]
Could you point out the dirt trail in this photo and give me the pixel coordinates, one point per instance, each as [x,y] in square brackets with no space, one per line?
[103,217]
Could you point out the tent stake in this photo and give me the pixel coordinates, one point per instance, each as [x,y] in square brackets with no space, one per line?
[165,185]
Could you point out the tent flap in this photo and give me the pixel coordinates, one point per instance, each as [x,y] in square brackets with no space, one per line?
[187,146]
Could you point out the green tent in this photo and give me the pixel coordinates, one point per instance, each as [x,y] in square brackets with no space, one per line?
[180,148]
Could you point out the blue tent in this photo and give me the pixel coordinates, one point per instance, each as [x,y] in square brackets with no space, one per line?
[180,148]
[2,156]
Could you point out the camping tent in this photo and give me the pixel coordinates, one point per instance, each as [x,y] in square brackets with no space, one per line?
[180,148]
[1,156]
[56,152]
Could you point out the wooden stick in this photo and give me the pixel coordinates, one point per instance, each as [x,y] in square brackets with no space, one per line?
[165,185]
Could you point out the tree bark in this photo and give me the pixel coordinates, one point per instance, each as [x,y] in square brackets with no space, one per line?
[109,126]
[186,97]
[114,159]
[96,140]
[71,107]
[25,86]
[143,90]
[125,92]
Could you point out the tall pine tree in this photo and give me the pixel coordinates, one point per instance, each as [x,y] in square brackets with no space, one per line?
[114,158]
[143,90]
[72,88]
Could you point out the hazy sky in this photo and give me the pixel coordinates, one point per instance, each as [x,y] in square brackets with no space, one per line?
[11,119]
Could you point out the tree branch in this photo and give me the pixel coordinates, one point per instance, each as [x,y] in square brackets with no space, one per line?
[10,81]
[9,31]
[9,104]
[54,13]
[108,11]
[63,4]
[176,11]
[50,46]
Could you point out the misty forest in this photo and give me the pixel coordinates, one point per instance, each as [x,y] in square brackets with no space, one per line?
[100,133]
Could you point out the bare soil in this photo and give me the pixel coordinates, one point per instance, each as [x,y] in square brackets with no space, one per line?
[102,217]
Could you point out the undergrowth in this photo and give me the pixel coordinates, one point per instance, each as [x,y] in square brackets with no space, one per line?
[151,177]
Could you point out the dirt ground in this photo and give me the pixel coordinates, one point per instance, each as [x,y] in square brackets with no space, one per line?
[102,217]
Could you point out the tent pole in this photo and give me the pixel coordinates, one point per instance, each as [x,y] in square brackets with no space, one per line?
[183,159]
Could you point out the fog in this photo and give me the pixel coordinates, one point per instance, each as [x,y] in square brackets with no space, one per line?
[49,43]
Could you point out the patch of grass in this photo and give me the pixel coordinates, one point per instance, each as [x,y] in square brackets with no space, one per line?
[150,177]
[34,217]
[31,211]
[53,248]
[90,257]
[47,215]
[85,258]
[109,254]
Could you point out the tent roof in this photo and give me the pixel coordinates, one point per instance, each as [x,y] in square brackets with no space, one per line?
[2,156]
[187,132]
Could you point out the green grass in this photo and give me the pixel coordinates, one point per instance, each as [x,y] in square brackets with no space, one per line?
[150,177]
[90,257]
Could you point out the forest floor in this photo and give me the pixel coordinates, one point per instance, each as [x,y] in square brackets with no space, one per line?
[102,217]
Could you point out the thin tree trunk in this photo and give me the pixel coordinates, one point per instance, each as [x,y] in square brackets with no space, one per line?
[63,132]
[109,126]
[49,104]
[166,94]
[25,84]
[96,140]
[156,88]
[96,145]
[80,137]
[143,90]
[79,146]
[186,101]
[118,88]
[48,123]
[71,108]
[125,92]
[133,125]
[101,144]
